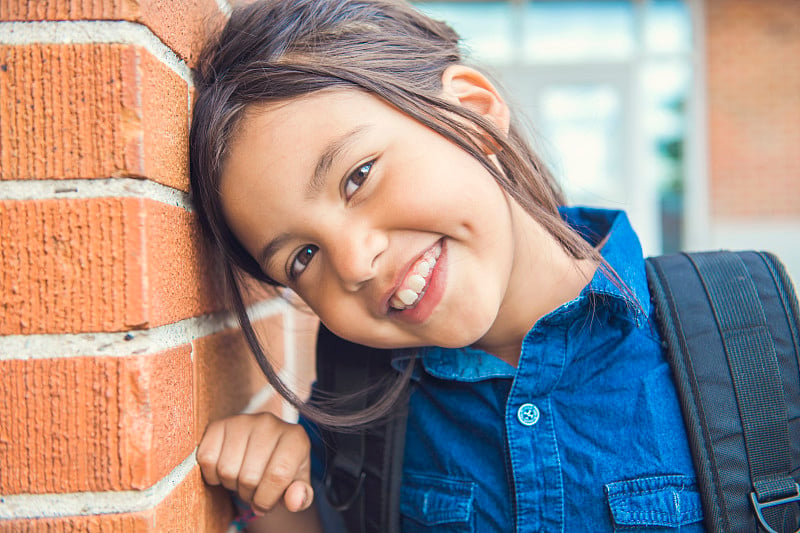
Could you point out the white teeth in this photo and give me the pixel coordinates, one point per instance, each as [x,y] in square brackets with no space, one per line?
[407,296]
[416,283]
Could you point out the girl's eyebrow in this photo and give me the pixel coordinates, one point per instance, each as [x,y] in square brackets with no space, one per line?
[331,152]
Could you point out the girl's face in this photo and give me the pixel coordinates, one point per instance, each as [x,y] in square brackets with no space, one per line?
[392,234]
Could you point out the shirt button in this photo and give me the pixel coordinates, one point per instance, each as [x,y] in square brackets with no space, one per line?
[528,414]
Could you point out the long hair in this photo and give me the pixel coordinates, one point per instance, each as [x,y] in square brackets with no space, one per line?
[274,50]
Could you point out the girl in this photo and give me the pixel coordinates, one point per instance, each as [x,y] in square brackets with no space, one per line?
[343,149]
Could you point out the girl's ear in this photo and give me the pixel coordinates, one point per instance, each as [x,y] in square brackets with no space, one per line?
[469,88]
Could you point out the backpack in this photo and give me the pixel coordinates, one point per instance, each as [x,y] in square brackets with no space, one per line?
[731,329]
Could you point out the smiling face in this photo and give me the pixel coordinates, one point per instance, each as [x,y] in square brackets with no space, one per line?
[392,234]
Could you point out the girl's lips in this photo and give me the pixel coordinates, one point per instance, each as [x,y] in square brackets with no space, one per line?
[415,281]
[432,292]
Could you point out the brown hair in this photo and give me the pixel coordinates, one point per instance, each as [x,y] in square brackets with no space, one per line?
[271,51]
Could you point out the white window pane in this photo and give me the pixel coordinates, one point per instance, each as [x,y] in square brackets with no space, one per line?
[667,27]
[583,123]
[485,27]
[578,31]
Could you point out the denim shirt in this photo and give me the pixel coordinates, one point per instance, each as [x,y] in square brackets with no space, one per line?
[585,434]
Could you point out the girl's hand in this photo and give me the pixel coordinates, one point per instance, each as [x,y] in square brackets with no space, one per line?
[265,460]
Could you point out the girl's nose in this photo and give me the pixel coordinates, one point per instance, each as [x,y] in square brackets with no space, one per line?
[355,254]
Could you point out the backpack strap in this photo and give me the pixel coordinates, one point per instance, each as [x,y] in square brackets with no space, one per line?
[730,324]
[363,469]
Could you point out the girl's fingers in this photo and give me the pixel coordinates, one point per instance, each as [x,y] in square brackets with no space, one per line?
[208,452]
[230,458]
[298,496]
[261,458]
[288,463]
[262,440]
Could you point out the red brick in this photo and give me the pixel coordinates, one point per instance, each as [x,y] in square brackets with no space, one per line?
[181,279]
[94,424]
[191,507]
[194,507]
[100,264]
[91,111]
[180,24]
[226,373]
[753,74]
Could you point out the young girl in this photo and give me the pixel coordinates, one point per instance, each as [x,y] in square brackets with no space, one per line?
[343,149]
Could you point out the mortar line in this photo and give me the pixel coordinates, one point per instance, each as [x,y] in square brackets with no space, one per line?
[257,400]
[264,394]
[128,343]
[29,506]
[94,32]
[47,189]
[289,369]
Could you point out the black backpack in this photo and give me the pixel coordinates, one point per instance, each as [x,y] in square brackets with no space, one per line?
[730,323]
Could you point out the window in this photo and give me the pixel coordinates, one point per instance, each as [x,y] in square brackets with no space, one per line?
[604,86]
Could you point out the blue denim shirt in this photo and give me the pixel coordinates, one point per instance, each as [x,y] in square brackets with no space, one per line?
[584,435]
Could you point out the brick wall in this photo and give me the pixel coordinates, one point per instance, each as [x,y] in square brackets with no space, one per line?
[753,75]
[115,349]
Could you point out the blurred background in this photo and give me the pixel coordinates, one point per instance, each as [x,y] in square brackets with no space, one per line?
[116,348]
[685,113]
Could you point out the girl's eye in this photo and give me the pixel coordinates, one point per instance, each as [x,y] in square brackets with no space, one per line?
[301,260]
[357,179]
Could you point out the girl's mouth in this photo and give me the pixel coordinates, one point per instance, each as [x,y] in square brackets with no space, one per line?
[414,285]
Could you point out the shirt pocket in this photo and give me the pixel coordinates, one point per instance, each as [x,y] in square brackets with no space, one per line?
[435,503]
[667,503]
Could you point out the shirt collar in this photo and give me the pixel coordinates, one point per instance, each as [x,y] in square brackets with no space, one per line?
[626,294]
[622,252]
